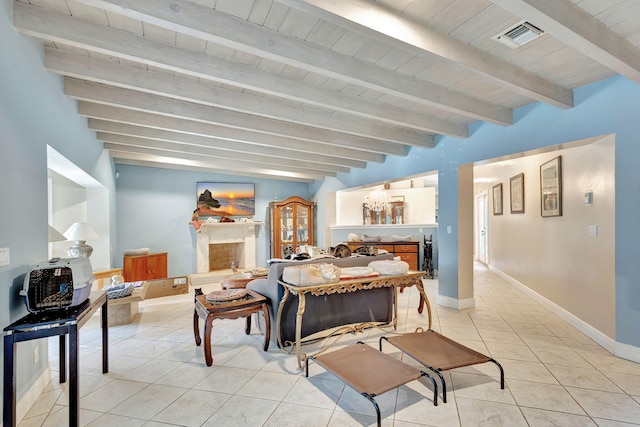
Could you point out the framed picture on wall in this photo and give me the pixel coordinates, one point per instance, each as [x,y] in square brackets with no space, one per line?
[497,199]
[226,199]
[517,193]
[551,188]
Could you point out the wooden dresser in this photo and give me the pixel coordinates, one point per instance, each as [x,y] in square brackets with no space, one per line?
[145,267]
[407,251]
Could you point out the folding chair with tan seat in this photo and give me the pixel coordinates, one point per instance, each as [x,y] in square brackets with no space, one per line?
[369,371]
[439,353]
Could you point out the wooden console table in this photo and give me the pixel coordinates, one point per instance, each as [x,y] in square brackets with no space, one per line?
[344,286]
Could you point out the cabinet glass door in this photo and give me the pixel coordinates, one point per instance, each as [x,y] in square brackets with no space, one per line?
[302,224]
[286,223]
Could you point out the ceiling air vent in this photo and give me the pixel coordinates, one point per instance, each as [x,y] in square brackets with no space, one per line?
[518,35]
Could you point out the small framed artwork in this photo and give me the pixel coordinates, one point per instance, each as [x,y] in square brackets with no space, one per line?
[397,212]
[551,187]
[497,199]
[517,193]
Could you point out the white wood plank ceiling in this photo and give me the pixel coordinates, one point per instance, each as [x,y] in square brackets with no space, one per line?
[305,89]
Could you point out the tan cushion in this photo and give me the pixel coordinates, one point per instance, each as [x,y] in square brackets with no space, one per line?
[311,274]
[390,268]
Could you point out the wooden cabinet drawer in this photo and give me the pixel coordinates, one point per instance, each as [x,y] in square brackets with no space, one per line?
[409,258]
[406,248]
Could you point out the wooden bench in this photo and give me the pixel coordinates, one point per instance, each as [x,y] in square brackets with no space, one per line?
[122,311]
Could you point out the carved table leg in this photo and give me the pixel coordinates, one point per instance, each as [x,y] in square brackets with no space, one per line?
[247,327]
[423,295]
[395,306]
[267,327]
[301,308]
[196,327]
[208,327]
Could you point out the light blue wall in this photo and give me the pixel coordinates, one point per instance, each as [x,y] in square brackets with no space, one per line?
[609,106]
[34,113]
[155,207]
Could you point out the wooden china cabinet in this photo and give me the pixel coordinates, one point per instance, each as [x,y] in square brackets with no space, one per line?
[292,223]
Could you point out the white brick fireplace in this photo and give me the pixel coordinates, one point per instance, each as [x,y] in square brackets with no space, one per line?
[240,235]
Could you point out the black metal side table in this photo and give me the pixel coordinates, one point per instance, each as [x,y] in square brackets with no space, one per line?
[48,324]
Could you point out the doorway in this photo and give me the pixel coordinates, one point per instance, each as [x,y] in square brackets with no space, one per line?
[481,228]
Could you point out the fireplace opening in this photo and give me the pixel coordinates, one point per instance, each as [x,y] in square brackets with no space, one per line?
[222,255]
[219,244]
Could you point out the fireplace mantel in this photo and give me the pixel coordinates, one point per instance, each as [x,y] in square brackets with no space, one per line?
[206,225]
[212,233]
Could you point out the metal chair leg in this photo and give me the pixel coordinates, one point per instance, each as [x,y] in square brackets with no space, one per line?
[501,372]
[375,405]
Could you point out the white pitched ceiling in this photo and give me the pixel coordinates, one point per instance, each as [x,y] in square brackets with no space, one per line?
[305,89]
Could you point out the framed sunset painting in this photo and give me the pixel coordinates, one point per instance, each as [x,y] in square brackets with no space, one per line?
[226,199]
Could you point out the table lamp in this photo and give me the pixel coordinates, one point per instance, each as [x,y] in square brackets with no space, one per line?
[80,232]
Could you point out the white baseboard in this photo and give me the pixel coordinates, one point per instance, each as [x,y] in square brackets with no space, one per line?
[624,351]
[458,304]
[627,351]
[31,396]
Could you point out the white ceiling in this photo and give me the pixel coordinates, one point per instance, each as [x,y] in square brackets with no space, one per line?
[305,89]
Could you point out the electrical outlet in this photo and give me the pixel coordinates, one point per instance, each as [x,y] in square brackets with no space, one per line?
[36,355]
[4,256]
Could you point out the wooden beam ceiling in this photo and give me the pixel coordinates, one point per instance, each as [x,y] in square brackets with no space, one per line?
[306,89]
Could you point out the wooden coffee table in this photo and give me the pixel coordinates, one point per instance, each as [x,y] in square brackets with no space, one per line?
[236,281]
[251,303]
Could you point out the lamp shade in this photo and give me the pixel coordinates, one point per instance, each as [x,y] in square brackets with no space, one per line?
[55,235]
[81,231]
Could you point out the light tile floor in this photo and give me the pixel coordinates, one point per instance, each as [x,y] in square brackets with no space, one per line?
[555,375]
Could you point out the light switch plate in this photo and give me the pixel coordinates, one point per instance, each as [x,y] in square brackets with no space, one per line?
[4,256]
[592,231]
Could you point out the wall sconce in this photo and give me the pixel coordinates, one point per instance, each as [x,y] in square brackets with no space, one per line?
[80,232]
